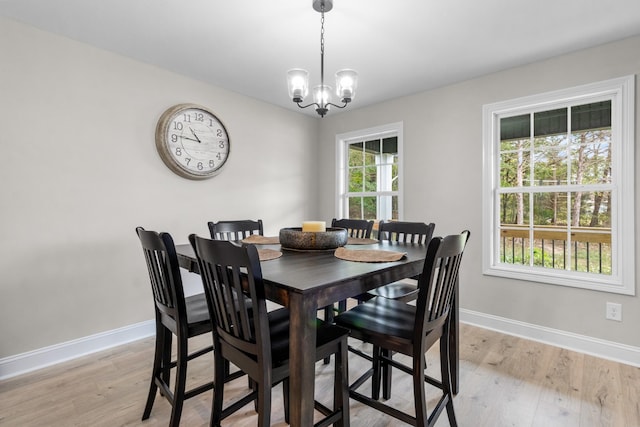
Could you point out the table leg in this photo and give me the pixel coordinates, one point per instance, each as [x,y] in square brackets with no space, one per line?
[302,354]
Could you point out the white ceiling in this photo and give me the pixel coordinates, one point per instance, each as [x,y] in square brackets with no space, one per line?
[398,47]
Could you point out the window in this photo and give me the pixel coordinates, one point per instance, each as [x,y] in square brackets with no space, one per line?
[558,187]
[369,181]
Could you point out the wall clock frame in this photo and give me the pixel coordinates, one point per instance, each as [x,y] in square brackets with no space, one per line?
[192,141]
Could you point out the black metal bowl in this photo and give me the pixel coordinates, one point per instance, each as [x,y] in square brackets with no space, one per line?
[295,238]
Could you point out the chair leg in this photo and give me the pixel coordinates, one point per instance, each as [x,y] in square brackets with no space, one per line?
[158,358]
[328,314]
[220,373]
[285,398]
[375,380]
[341,384]
[328,317]
[419,394]
[254,387]
[381,373]
[445,372]
[166,358]
[386,375]
[264,401]
[181,381]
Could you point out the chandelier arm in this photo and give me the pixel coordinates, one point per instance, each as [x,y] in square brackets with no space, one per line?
[309,105]
[338,106]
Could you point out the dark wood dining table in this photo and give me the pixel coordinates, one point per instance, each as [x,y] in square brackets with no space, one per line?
[304,281]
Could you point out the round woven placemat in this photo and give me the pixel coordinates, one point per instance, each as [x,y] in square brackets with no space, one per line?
[307,250]
[368,255]
[257,239]
[360,241]
[268,254]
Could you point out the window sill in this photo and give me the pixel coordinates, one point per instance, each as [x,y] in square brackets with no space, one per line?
[610,284]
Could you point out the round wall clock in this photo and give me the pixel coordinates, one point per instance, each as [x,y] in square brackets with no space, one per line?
[192,141]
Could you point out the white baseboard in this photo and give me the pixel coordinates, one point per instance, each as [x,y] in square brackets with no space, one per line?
[584,344]
[26,362]
[47,356]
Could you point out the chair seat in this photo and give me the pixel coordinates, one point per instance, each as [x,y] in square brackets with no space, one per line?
[380,317]
[197,310]
[403,290]
[279,327]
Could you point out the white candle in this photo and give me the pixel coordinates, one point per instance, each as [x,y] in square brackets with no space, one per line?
[314,226]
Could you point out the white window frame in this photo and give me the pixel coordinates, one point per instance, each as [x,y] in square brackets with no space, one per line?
[621,91]
[342,143]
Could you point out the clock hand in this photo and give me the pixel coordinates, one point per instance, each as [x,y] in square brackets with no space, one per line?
[190,139]
[194,134]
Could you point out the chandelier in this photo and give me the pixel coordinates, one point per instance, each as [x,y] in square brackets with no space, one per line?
[298,79]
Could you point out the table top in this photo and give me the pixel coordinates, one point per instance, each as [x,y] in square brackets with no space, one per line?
[320,272]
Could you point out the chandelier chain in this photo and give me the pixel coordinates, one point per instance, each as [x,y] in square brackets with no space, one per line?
[322,31]
[322,45]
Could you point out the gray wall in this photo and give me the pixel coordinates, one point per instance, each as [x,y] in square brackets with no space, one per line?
[443,182]
[79,171]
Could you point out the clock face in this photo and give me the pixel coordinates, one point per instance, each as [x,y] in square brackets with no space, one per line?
[192,141]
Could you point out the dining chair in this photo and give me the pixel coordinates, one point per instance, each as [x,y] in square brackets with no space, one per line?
[235,230]
[397,231]
[175,314]
[255,340]
[406,232]
[397,326]
[405,290]
[357,228]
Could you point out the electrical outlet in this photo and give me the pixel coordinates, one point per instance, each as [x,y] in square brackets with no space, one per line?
[614,311]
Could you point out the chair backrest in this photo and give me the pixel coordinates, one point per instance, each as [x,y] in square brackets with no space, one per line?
[358,228]
[231,274]
[438,280]
[406,232]
[164,273]
[235,230]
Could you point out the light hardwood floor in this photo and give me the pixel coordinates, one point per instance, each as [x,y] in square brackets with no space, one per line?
[505,381]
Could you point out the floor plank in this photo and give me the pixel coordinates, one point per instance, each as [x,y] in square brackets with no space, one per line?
[505,381]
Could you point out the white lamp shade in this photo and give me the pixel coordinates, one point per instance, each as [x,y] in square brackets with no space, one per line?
[298,82]
[346,84]
[322,95]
